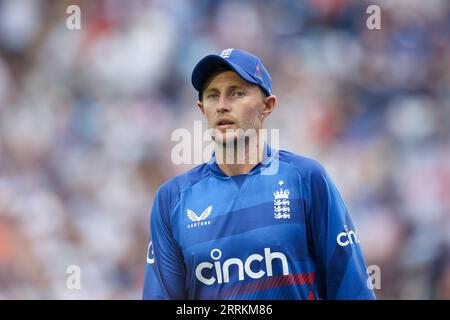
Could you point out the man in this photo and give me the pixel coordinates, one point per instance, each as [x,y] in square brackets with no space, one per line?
[272,228]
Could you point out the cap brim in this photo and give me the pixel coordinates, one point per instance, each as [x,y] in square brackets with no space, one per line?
[207,64]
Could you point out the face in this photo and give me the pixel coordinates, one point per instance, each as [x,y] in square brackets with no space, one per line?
[231,103]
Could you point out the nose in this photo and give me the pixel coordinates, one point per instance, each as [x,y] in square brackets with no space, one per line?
[224,104]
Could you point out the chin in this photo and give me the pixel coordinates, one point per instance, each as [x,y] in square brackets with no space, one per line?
[225,138]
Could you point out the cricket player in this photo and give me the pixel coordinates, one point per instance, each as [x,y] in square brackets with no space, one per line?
[272,228]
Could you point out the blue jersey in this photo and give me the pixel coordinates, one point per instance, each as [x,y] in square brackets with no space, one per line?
[282,231]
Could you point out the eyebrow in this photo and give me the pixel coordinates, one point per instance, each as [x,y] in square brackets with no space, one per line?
[233,87]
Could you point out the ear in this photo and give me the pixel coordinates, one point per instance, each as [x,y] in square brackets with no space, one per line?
[201,107]
[269,105]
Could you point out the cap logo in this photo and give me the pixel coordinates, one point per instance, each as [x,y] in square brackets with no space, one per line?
[258,72]
[226,53]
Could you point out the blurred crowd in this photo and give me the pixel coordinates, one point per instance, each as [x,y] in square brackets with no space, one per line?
[86,118]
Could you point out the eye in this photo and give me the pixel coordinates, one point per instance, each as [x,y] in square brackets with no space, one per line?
[239,93]
[212,96]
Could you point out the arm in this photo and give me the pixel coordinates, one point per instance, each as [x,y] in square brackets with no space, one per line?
[165,272]
[341,269]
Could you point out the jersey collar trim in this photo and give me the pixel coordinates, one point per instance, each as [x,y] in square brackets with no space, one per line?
[268,156]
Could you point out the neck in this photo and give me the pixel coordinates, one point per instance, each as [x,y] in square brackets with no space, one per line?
[233,159]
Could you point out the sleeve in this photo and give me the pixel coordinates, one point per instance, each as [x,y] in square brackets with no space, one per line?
[341,269]
[165,273]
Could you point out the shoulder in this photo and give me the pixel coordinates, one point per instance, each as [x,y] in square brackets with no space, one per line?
[314,177]
[171,189]
[306,167]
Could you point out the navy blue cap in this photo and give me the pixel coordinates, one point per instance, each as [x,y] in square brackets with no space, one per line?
[246,65]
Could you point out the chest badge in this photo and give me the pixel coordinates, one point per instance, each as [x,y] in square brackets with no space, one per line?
[281,203]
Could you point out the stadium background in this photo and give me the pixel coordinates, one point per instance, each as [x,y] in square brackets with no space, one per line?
[86,117]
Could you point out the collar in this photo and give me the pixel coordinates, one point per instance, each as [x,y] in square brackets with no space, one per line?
[269,155]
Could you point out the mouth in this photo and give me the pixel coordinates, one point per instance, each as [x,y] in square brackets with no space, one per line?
[225,124]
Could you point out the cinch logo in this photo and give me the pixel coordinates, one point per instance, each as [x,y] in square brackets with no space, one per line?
[347,237]
[221,272]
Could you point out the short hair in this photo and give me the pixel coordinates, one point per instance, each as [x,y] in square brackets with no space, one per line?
[213,72]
